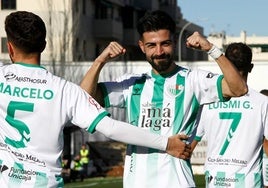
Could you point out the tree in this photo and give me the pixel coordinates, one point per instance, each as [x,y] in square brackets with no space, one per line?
[60,30]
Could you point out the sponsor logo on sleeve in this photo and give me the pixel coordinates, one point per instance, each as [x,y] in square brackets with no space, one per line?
[94,103]
[210,75]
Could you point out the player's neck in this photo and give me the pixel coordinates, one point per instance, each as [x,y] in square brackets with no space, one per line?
[170,69]
[18,55]
[33,59]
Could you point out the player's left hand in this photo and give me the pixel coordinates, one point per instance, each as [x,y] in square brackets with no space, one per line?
[197,41]
[112,51]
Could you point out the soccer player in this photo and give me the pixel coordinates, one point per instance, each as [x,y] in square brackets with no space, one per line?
[234,131]
[265,153]
[164,100]
[36,105]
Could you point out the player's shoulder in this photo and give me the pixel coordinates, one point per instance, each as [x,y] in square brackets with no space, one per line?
[200,75]
[184,69]
[257,95]
[133,77]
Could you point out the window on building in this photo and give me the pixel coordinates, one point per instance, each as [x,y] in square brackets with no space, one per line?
[8,4]
[85,49]
[104,10]
[4,45]
[168,2]
[265,48]
[78,56]
[84,7]
[128,17]
[97,50]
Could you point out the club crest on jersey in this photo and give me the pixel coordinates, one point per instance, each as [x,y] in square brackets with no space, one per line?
[175,90]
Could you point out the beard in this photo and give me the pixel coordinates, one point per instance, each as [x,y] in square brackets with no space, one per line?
[160,63]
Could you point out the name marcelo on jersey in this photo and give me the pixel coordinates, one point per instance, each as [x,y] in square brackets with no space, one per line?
[26,92]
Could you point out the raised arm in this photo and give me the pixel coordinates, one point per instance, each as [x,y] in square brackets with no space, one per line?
[265,146]
[233,85]
[90,81]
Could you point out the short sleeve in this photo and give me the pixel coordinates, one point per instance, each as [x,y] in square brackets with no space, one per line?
[84,111]
[206,86]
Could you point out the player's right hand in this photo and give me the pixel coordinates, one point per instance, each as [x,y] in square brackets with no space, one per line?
[112,51]
[177,147]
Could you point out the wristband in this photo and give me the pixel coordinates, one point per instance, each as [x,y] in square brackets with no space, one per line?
[215,52]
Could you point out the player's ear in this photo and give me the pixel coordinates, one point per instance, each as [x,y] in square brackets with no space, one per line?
[251,67]
[10,49]
[43,46]
[141,45]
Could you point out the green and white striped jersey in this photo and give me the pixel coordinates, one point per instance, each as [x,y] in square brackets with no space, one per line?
[166,105]
[35,105]
[234,132]
[265,169]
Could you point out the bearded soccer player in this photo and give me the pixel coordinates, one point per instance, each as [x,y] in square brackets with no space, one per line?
[164,100]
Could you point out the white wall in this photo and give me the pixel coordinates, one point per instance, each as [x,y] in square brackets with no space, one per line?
[257,79]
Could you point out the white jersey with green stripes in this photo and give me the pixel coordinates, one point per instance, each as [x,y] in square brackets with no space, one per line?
[265,169]
[35,105]
[234,132]
[165,105]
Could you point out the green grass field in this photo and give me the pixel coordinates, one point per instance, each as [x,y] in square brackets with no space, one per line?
[112,182]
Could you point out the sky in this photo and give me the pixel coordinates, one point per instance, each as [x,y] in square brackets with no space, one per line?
[231,16]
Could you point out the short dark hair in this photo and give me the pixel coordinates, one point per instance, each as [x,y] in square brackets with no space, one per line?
[26,31]
[154,21]
[240,55]
[264,92]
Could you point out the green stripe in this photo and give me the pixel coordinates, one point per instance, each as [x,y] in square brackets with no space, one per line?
[155,115]
[179,107]
[134,101]
[241,180]
[92,127]
[220,176]
[60,181]
[219,88]
[258,182]
[178,124]
[133,114]
[180,111]
[13,180]
[41,180]
[157,104]
[105,94]
[194,110]
[198,138]
[258,177]
[30,65]
[134,104]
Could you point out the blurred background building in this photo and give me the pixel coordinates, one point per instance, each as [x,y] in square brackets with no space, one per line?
[78,30]
[258,44]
